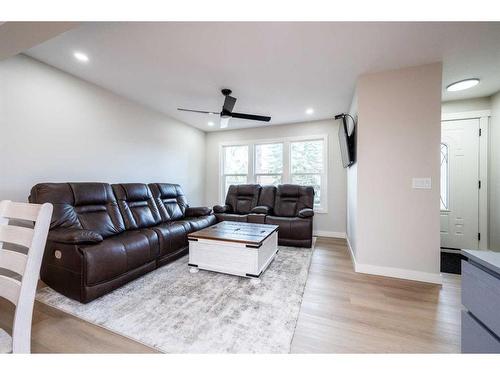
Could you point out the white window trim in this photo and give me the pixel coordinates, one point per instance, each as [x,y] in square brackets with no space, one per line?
[323,209]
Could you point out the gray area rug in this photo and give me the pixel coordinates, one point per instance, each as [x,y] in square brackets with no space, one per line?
[175,311]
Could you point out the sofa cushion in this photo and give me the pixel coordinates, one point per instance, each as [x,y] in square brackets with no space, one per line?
[170,200]
[291,227]
[119,254]
[137,205]
[290,199]
[231,217]
[173,236]
[267,197]
[81,205]
[242,198]
[200,222]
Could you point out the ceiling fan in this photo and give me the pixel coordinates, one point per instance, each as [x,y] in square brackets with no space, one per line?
[227,111]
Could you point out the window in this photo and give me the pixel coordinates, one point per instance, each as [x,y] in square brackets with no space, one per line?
[306,160]
[290,160]
[269,163]
[235,166]
[444,177]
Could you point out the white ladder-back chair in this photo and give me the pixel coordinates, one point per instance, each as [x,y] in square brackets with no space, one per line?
[21,290]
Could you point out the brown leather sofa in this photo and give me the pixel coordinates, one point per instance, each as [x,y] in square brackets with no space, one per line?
[103,236]
[289,206]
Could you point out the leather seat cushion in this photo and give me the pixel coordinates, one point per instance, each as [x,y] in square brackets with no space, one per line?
[231,217]
[242,198]
[200,222]
[170,200]
[119,254]
[173,236]
[137,205]
[294,228]
[290,199]
[81,205]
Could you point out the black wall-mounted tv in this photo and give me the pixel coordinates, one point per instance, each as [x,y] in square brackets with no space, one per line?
[347,141]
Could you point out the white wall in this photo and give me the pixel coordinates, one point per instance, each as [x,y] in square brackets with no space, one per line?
[55,127]
[399,129]
[334,220]
[352,191]
[465,105]
[494,174]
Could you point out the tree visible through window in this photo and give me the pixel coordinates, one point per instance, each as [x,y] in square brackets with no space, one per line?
[306,159]
[269,163]
[287,161]
[235,166]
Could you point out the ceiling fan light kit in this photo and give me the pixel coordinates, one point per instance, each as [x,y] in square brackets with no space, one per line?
[227,111]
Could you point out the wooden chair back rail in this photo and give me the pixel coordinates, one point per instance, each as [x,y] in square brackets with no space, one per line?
[22,293]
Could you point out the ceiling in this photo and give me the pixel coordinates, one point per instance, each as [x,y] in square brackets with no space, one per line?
[277,69]
[16,37]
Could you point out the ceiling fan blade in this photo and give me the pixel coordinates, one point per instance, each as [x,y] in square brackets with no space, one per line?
[224,122]
[194,110]
[251,117]
[228,104]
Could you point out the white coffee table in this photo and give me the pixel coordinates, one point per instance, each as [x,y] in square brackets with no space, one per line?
[242,249]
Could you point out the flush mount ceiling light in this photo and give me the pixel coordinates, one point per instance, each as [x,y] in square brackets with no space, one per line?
[463,84]
[80,56]
[210,123]
[309,111]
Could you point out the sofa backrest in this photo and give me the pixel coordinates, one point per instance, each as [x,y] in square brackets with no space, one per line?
[267,196]
[81,205]
[243,198]
[137,205]
[170,200]
[290,199]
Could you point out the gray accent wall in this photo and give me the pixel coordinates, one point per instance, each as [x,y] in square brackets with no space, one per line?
[55,127]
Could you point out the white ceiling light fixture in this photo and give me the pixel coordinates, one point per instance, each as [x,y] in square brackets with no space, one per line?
[463,84]
[211,123]
[80,56]
[309,111]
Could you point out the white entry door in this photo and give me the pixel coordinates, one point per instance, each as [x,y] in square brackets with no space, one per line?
[460,184]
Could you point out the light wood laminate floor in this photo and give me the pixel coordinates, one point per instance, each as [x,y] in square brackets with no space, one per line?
[342,312]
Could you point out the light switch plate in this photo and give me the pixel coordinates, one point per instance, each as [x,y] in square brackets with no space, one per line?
[421,183]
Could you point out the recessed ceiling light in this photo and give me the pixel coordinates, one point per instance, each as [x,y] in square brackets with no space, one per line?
[309,111]
[80,56]
[463,84]
[210,123]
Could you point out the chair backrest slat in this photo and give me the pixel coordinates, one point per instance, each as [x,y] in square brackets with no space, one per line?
[20,211]
[22,293]
[16,235]
[13,261]
[10,289]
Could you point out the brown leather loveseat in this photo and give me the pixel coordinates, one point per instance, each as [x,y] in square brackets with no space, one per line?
[289,206]
[103,236]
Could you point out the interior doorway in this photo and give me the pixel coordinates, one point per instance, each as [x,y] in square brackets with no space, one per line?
[464,181]
[460,184]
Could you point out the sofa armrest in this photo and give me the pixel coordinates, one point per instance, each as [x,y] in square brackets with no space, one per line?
[261,210]
[198,211]
[74,236]
[222,209]
[306,212]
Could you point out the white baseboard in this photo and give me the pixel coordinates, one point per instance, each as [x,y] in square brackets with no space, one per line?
[399,273]
[325,233]
[351,252]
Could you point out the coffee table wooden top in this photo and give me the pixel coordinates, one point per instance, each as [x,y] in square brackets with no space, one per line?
[233,231]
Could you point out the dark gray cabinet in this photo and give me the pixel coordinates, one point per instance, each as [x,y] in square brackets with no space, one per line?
[481,300]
